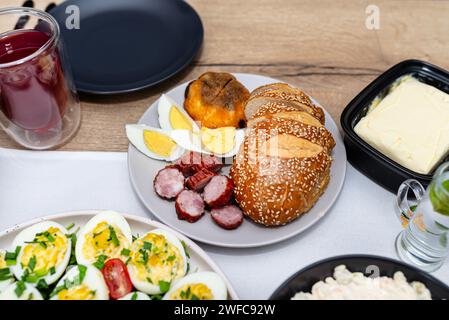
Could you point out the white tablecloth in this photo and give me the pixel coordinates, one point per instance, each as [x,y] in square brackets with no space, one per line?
[35,184]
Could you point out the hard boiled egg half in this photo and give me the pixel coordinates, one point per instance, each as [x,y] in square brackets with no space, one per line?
[170,145]
[107,235]
[223,142]
[6,277]
[81,283]
[153,142]
[173,117]
[136,295]
[157,259]
[204,285]
[44,253]
[20,291]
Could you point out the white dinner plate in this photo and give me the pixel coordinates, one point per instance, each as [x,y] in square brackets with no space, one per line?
[142,171]
[199,260]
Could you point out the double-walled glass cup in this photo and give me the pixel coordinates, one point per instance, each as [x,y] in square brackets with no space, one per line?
[39,107]
[425,216]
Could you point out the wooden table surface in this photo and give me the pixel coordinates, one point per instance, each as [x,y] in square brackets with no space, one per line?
[321,46]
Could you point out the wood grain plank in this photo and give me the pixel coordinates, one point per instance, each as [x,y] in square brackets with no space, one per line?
[321,46]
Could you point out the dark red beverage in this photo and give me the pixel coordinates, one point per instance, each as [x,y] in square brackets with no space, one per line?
[33,94]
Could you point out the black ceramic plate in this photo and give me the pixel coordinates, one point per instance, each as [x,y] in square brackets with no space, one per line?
[123,46]
[304,279]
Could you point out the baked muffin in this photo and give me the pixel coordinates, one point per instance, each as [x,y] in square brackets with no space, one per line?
[217,100]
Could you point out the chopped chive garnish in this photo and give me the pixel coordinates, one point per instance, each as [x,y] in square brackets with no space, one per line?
[185,248]
[10,257]
[32,263]
[99,264]
[82,273]
[70,226]
[125,252]
[42,285]
[52,270]
[144,254]
[147,245]
[20,288]
[164,286]
[134,296]
[113,236]
[171,258]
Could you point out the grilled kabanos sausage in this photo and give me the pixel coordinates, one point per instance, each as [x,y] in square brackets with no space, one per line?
[211,162]
[189,206]
[189,163]
[199,180]
[218,191]
[193,162]
[169,182]
[228,217]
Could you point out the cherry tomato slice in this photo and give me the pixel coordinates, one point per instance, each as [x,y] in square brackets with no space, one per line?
[117,279]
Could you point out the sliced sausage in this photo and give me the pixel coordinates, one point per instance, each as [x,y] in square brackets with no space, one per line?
[169,182]
[228,217]
[189,163]
[189,206]
[218,191]
[199,180]
[193,162]
[211,162]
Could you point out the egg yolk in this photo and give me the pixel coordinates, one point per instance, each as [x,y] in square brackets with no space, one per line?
[158,143]
[198,291]
[178,120]
[3,263]
[46,251]
[81,292]
[105,239]
[219,140]
[155,259]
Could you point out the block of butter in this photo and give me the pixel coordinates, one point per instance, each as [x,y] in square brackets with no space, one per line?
[410,125]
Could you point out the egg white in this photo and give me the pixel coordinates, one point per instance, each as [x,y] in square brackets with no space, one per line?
[134,132]
[146,286]
[5,283]
[192,142]
[140,296]
[164,106]
[29,234]
[210,279]
[110,217]
[30,293]
[93,280]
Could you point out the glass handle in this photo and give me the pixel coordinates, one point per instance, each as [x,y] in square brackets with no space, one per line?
[405,206]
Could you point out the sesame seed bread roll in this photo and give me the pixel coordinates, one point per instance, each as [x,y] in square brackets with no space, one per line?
[286,95]
[279,110]
[281,169]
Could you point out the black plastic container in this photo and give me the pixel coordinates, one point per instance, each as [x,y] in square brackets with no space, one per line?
[304,279]
[361,155]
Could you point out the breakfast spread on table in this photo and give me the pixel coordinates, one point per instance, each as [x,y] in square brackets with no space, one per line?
[255,155]
[102,260]
[347,285]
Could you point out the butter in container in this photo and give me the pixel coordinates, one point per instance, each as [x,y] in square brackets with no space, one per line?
[398,127]
[410,125]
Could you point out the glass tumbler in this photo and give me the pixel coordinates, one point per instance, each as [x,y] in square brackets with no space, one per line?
[39,106]
[425,216]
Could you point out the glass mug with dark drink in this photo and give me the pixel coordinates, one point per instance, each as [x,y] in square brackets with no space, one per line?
[39,107]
